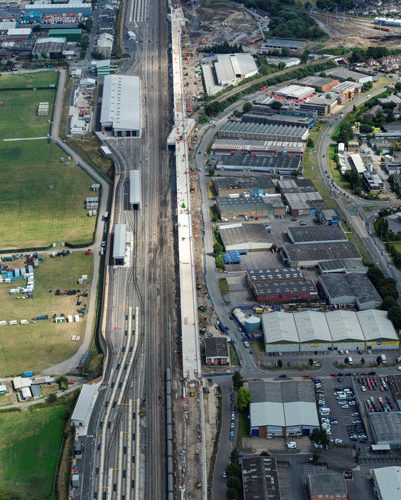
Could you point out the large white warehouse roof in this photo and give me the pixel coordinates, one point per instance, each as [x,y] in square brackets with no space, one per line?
[344,325]
[279,327]
[312,326]
[121,103]
[376,325]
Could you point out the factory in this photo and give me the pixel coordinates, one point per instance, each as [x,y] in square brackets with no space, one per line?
[135,189]
[255,207]
[119,244]
[319,83]
[37,10]
[387,482]
[216,351]
[49,48]
[261,132]
[121,111]
[245,237]
[301,235]
[350,289]
[334,330]
[273,147]
[386,428]
[250,186]
[312,254]
[227,69]
[294,93]
[274,275]
[260,478]
[280,164]
[282,409]
[343,74]
[284,292]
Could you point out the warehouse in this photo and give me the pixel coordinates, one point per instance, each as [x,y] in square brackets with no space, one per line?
[274,275]
[310,255]
[35,11]
[71,34]
[295,93]
[260,132]
[342,266]
[135,189]
[378,330]
[387,482]
[83,407]
[345,330]
[245,237]
[351,289]
[259,117]
[322,104]
[216,351]
[260,478]
[282,43]
[119,245]
[307,203]
[121,105]
[313,331]
[345,74]
[227,69]
[274,147]
[319,83]
[386,428]
[251,186]
[300,235]
[327,485]
[319,331]
[329,217]
[49,48]
[285,292]
[281,164]
[256,206]
[282,409]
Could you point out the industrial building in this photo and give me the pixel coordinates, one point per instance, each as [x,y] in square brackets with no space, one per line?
[71,34]
[261,132]
[260,478]
[387,482]
[36,11]
[329,216]
[347,91]
[281,164]
[273,147]
[288,62]
[251,186]
[386,428]
[216,351]
[83,407]
[319,83]
[104,45]
[255,207]
[334,330]
[282,43]
[245,237]
[255,116]
[281,409]
[295,93]
[119,245]
[327,486]
[322,104]
[274,275]
[227,69]
[311,254]
[49,48]
[351,289]
[135,189]
[121,105]
[343,74]
[373,183]
[342,266]
[301,196]
[301,235]
[101,68]
[285,292]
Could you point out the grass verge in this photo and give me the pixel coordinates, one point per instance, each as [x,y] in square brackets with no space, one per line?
[243,426]
[234,360]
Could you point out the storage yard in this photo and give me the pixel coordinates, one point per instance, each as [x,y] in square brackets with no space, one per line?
[39,343]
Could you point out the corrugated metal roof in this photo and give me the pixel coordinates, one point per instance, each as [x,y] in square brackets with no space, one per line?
[84,403]
[375,325]
[119,241]
[279,327]
[388,480]
[344,325]
[312,326]
[135,187]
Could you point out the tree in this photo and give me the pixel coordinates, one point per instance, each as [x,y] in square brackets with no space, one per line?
[388,303]
[310,362]
[378,360]
[310,143]
[375,275]
[388,290]
[276,105]
[319,436]
[346,361]
[247,107]
[394,315]
[237,380]
[244,398]
[36,28]
[279,363]
[51,398]
[362,361]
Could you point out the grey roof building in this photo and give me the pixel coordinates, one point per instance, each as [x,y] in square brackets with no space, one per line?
[297,185]
[300,235]
[120,240]
[353,288]
[274,146]
[135,189]
[258,131]
[83,407]
[256,116]
[251,185]
[386,428]
[216,350]
[272,164]
[260,478]
[342,266]
[311,254]
[346,74]
[245,237]
[327,485]
[272,275]
[255,206]
[284,43]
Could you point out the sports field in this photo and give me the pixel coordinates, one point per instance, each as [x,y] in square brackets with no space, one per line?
[41,197]
[29,446]
[28,80]
[40,345]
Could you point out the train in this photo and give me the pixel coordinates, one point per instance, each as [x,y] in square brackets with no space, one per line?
[170,441]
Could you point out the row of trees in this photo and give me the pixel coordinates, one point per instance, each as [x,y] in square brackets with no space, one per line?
[388,292]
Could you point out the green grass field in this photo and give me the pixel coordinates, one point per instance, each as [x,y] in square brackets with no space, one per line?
[41,198]
[28,80]
[29,446]
[18,113]
[44,343]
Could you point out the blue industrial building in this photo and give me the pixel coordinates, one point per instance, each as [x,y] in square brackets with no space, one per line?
[35,12]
